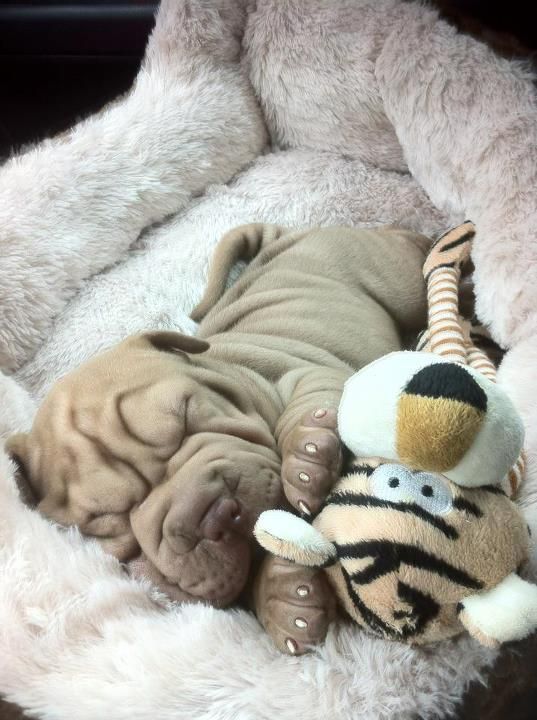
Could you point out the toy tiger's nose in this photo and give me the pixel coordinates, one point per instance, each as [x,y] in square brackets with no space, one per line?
[444,397]
[433,415]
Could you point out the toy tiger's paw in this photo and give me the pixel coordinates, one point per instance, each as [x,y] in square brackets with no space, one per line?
[311,460]
[505,613]
[295,604]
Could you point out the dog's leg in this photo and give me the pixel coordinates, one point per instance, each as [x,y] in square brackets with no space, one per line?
[306,432]
[73,205]
[295,604]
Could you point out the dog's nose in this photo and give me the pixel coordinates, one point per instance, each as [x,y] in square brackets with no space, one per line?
[223,515]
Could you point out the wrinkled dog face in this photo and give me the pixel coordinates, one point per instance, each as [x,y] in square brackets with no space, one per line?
[161,459]
[195,528]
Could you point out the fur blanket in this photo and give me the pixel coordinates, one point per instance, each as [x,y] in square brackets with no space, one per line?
[377,112]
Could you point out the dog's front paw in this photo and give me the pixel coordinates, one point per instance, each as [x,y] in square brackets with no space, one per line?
[295,604]
[311,460]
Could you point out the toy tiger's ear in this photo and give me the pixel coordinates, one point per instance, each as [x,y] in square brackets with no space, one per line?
[292,538]
[169,341]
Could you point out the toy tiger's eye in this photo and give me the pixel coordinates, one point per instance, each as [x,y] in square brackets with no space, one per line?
[398,484]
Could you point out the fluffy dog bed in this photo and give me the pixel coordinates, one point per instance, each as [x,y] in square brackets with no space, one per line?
[378,112]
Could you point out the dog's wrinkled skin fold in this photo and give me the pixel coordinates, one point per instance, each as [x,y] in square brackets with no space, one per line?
[167,447]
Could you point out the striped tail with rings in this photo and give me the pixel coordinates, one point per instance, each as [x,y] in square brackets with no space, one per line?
[448,334]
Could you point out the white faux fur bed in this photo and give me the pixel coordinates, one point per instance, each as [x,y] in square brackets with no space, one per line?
[378,113]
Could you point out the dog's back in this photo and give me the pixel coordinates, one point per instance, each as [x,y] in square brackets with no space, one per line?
[325,295]
[167,448]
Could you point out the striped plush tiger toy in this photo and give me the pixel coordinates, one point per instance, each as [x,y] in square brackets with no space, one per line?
[421,539]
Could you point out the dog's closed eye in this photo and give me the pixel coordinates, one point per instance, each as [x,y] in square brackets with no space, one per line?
[106,524]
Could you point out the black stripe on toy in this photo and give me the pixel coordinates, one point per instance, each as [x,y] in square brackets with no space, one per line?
[471,231]
[442,265]
[357,500]
[363,468]
[371,619]
[460,241]
[460,503]
[494,489]
[450,381]
[388,556]
[424,610]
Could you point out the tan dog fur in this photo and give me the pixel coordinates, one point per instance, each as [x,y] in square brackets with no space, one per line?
[167,448]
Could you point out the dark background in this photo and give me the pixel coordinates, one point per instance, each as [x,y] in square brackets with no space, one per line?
[61,61]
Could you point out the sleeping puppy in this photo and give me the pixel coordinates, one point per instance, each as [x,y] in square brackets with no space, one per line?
[167,448]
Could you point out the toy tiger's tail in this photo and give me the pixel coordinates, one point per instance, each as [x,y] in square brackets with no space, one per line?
[448,334]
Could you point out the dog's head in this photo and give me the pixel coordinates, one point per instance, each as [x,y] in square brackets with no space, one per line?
[161,456]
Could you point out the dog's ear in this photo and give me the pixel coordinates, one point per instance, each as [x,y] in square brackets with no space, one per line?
[17,448]
[170,341]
